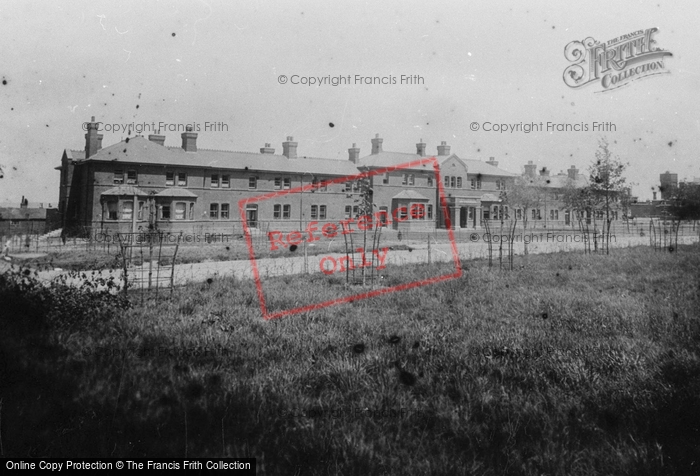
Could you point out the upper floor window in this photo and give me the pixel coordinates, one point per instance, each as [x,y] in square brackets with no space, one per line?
[278,183]
[225,181]
[322,212]
[385,179]
[224,211]
[478,184]
[452,182]
[169,178]
[447,181]
[182,179]
[214,211]
[411,179]
[473,184]
[215,181]
[430,180]
[459,182]
[131,177]
[252,183]
[286,211]
[118,177]
[287,183]
[314,212]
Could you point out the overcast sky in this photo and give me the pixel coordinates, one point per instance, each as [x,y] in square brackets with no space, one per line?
[206,61]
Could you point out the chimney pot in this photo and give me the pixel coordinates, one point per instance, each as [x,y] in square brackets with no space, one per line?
[267,149]
[492,161]
[420,148]
[443,149]
[289,148]
[377,144]
[189,140]
[157,138]
[93,140]
[354,154]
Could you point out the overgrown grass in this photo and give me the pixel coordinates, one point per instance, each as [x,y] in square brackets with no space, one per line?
[572,364]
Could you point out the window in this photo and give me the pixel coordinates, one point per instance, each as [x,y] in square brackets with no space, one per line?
[182,179]
[142,205]
[534,214]
[215,181]
[452,182]
[225,181]
[314,212]
[430,180]
[111,210]
[170,178]
[286,211]
[478,184]
[411,179]
[355,211]
[403,212]
[278,183]
[131,177]
[277,212]
[459,182]
[118,177]
[224,211]
[385,180]
[214,211]
[127,210]
[430,212]
[348,211]
[404,180]
[447,181]
[287,183]
[473,184]
[165,212]
[252,183]
[191,211]
[180,210]
[383,216]
[519,214]
[322,212]
[251,215]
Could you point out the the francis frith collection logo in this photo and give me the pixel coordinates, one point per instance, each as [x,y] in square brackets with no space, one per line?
[616,62]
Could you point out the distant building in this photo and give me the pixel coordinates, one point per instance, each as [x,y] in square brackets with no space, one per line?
[28,218]
[471,186]
[141,182]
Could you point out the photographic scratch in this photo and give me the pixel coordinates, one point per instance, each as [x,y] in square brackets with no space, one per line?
[72,109]
[200,19]
[102,17]
[127,58]
[120,32]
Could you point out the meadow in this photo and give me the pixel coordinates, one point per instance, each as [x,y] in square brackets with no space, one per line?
[570,364]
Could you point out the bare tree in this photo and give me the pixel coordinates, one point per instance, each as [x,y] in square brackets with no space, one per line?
[607,183]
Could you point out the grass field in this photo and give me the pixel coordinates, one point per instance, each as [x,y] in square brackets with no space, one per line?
[571,364]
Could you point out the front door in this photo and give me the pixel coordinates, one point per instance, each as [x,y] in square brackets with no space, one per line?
[251,214]
[463,217]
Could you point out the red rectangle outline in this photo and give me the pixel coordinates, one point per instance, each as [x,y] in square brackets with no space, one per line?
[377,292]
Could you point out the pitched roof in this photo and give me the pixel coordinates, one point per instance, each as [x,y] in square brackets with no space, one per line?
[408,195]
[176,192]
[562,181]
[389,159]
[121,190]
[140,150]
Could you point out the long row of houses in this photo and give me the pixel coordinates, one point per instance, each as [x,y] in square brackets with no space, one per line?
[140,181]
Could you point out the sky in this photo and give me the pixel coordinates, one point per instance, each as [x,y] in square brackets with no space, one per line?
[199,62]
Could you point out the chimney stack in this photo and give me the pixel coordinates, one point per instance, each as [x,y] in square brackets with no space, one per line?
[443,148]
[377,144]
[530,169]
[354,154]
[267,149]
[189,140]
[420,148]
[93,140]
[492,161]
[573,172]
[157,138]
[544,172]
[289,148]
